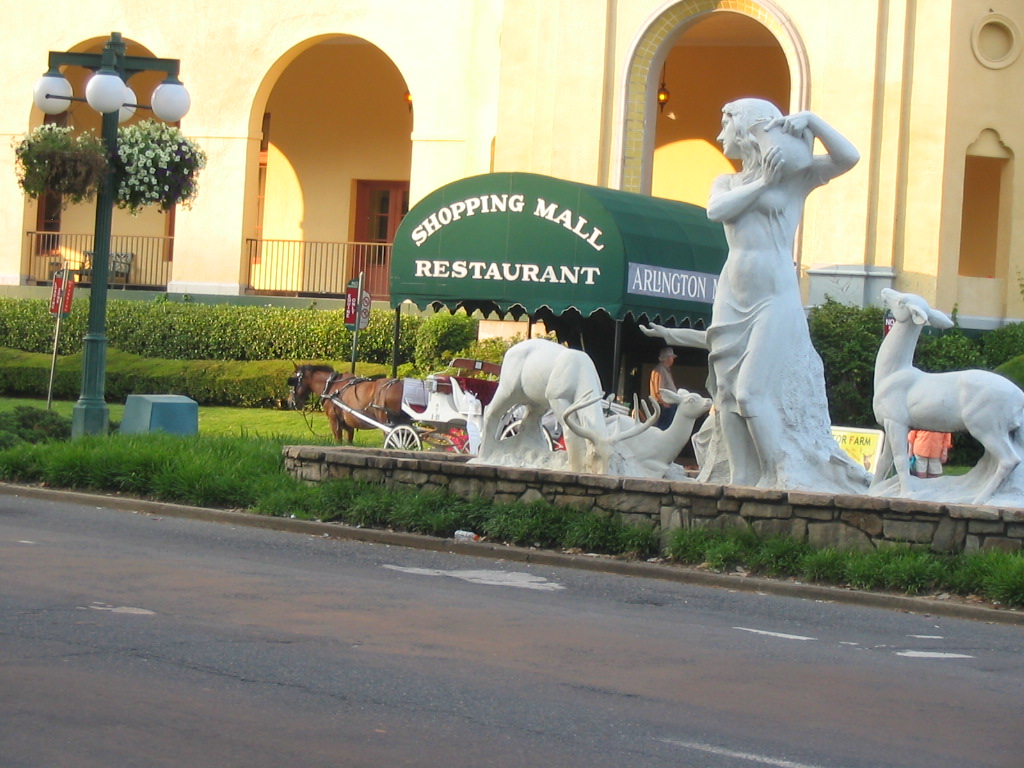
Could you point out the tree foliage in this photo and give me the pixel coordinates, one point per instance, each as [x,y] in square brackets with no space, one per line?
[442,337]
[1003,344]
[847,339]
[949,351]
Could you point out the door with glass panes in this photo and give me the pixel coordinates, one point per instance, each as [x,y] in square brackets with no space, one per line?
[380,208]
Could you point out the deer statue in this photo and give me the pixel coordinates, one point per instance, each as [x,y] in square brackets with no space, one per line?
[655,455]
[985,404]
[542,375]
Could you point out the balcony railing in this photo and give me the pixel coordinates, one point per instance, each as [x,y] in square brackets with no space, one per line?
[275,267]
[308,268]
[149,267]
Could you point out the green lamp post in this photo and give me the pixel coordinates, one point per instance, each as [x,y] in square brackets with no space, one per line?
[108,93]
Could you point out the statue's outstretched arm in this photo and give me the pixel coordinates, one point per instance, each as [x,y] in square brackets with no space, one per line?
[684,337]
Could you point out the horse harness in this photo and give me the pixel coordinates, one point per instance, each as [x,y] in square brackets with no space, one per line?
[376,404]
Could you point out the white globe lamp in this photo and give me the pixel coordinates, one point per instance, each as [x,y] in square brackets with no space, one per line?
[127,110]
[52,93]
[171,101]
[105,91]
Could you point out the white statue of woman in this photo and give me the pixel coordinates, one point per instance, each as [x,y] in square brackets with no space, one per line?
[765,377]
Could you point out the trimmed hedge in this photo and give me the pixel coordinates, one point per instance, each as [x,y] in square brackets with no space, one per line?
[217,354]
[188,331]
[1003,344]
[442,337]
[256,384]
[160,331]
[847,339]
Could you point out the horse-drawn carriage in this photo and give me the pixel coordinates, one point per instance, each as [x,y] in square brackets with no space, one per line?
[443,411]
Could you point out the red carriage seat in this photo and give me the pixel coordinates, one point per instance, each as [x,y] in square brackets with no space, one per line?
[482,388]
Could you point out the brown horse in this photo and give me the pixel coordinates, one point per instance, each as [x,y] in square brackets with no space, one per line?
[378,399]
[308,380]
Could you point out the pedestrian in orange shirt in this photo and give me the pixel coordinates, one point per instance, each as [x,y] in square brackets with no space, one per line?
[661,378]
[930,451]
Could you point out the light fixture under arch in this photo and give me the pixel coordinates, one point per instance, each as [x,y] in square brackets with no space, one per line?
[650,49]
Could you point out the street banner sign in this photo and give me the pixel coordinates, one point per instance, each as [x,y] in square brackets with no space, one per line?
[357,306]
[352,304]
[62,294]
[889,322]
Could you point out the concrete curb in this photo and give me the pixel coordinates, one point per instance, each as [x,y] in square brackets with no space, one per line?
[596,563]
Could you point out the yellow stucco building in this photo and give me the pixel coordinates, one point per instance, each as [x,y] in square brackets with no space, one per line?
[325,121]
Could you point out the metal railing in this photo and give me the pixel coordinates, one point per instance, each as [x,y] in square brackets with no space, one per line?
[150,263]
[309,268]
[275,267]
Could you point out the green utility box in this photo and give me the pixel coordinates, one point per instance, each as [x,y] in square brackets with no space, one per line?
[176,414]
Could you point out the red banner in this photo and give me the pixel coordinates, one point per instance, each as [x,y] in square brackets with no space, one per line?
[352,305]
[61,295]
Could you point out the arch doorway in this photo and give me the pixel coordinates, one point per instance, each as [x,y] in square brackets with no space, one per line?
[333,176]
[717,59]
[703,59]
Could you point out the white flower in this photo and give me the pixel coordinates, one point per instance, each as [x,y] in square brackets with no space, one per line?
[152,154]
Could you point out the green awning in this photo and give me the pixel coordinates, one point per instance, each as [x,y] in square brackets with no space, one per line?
[516,243]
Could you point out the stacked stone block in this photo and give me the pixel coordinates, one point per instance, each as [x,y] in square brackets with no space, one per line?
[842,521]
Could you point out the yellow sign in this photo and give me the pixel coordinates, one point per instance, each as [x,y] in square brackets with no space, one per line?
[862,445]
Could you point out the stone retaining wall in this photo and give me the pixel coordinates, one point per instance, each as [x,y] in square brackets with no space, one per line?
[824,520]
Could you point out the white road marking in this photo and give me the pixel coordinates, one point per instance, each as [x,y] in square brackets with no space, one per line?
[492,578]
[927,637]
[932,655]
[121,609]
[774,634]
[761,759]
[26,542]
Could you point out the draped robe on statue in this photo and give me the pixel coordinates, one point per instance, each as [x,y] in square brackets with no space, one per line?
[771,425]
[763,364]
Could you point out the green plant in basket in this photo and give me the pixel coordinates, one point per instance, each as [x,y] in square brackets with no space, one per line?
[157,165]
[54,159]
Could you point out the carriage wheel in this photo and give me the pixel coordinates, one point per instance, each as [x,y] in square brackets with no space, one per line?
[403,438]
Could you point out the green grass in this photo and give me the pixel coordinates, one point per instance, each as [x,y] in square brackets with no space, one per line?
[289,426]
[223,472]
[995,575]
[245,471]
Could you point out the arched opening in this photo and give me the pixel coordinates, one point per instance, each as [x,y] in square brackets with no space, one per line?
[740,48]
[718,58]
[984,277]
[988,169]
[334,166]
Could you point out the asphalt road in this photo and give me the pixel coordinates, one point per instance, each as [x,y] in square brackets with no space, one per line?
[139,639]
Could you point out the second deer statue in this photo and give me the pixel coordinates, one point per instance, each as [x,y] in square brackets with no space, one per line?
[985,404]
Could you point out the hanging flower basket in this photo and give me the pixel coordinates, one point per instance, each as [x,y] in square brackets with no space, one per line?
[155,165]
[52,159]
